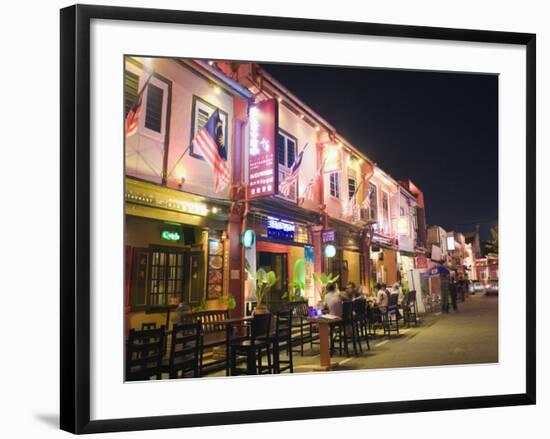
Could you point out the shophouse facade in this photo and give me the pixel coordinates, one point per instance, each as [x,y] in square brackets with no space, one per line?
[184,239]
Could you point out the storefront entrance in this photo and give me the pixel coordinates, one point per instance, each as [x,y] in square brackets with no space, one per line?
[278,262]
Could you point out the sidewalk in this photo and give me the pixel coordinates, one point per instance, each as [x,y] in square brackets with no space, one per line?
[467,337]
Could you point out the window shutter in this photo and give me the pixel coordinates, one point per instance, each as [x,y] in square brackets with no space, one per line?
[153,116]
[140,271]
[131,83]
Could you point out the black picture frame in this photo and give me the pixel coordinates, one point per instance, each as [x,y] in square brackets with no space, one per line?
[75,217]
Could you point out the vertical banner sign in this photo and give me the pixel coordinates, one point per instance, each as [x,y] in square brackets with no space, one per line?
[262,160]
[309,287]
[250,273]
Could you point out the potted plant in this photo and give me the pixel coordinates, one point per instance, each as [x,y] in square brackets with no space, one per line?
[295,293]
[264,282]
[324,280]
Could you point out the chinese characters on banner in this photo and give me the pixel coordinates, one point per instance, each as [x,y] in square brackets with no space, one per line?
[262,163]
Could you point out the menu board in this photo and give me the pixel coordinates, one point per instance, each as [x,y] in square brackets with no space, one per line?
[214,277]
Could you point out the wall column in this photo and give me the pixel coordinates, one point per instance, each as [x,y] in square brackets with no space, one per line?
[317,257]
[367,264]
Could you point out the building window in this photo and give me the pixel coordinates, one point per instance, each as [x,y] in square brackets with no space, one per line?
[153,113]
[166,280]
[352,186]
[334,184]
[373,201]
[286,149]
[286,155]
[200,114]
[131,84]
[385,212]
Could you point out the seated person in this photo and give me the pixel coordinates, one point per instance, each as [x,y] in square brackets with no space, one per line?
[352,292]
[398,290]
[382,298]
[333,301]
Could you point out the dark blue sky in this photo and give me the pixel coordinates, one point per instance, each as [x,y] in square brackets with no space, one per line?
[438,129]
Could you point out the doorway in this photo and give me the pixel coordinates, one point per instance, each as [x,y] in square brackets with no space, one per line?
[278,262]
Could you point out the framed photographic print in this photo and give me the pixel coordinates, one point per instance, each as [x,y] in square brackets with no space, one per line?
[259,212]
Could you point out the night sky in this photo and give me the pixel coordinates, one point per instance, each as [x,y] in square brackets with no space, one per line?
[438,129]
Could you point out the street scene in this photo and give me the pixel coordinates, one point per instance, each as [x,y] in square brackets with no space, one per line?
[284,218]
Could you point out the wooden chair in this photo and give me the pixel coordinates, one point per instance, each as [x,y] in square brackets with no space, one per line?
[303,331]
[184,350]
[253,348]
[213,335]
[410,310]
[144,351]
[345,330]
[390,318]
[282,340]
[148,325]
[361,321]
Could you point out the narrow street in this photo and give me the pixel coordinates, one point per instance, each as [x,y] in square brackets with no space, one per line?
[467,337]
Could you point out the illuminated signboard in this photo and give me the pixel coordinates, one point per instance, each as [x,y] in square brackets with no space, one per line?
[450,243]
[403,225]
[262,163]
[248,238]
[169,235]
[328,236]
[330,251]
[280,230]
[421,261]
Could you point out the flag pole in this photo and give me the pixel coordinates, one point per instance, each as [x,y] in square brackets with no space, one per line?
[301,199]
[142,89]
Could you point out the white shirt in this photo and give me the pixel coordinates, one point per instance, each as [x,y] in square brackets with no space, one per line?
[382,298]
[334,303]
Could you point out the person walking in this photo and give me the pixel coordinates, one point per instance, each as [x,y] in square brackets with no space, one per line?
[453,287]
[445,286]
[399,291]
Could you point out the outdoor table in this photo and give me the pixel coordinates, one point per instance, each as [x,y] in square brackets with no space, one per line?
[324,341]
[228,331]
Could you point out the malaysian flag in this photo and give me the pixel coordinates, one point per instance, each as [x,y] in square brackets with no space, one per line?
[132,118]
[285,185]
[209,142]
[366,201]
[309,193]
[350,207]
[131,124]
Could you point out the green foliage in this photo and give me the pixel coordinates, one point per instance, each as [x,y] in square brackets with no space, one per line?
[324,280]
[264,281]
[229,302]
[297,286]
[492,245]
[201,306]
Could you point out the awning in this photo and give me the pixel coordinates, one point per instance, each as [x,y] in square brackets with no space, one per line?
[438,270]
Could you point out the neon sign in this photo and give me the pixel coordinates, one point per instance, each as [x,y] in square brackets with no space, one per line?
[248,238]
[169,235]
[280,229]
[330,251]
